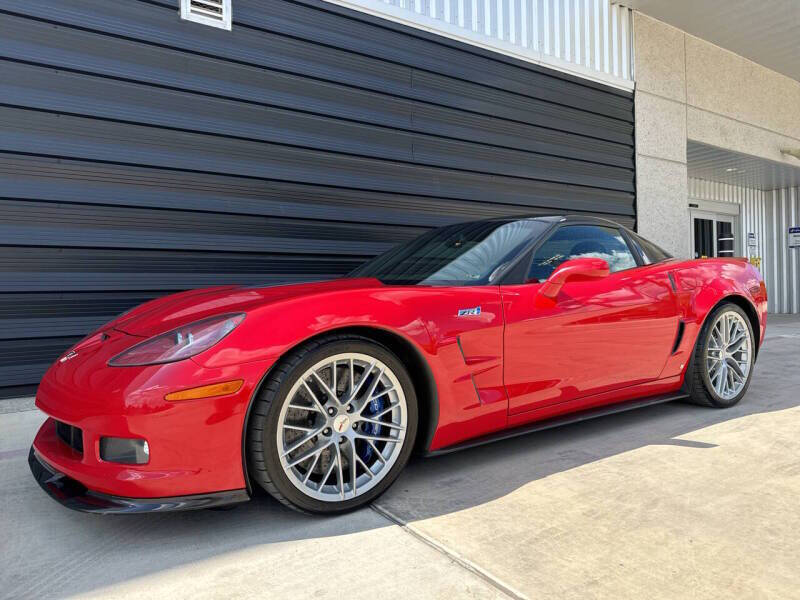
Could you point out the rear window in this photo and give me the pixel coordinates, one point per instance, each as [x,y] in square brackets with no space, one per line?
[474,253]
[650,252]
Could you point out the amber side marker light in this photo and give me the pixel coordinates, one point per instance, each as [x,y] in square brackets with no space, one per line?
[206,391]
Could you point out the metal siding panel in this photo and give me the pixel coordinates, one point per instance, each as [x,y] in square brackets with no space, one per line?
[767,250]
[795,281]
[773,281]
[65,314]
[62,91]
[61,135]
[167,108]
[141,156]
[289,36]
[76,225]
[76,181]
[761,224]
[77,269]
[791,275]
[393,106]
[775,291]
[785,248]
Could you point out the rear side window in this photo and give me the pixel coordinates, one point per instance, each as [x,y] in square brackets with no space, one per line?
[581,241]
[650,252]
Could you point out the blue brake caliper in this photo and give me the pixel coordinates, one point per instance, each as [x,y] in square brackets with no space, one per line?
[375,406]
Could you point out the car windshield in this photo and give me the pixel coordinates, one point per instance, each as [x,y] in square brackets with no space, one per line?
[474,253]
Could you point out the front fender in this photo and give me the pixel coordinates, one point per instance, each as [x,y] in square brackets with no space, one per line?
[269,331]
[464,354]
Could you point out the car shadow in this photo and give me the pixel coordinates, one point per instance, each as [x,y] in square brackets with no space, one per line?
[453,482]
[88,552]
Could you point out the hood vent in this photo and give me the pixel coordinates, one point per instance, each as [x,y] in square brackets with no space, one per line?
[216,13]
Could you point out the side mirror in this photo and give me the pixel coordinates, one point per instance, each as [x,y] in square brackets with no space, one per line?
[577,269]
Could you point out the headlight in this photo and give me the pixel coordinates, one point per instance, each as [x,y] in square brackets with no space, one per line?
[179,343]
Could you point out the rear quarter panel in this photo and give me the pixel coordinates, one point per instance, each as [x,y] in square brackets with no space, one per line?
[701,285]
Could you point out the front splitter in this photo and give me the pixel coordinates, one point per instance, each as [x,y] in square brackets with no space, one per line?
[74,495]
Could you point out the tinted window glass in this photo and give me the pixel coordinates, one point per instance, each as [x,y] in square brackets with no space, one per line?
[465,254]
[581,241]
[650,252]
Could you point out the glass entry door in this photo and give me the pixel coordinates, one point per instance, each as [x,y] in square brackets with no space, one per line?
[712,235]
[725,239]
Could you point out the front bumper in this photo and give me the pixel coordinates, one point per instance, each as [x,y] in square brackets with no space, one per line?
[73,494]
[195,446]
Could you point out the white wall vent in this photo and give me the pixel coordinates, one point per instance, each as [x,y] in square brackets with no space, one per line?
[216,13]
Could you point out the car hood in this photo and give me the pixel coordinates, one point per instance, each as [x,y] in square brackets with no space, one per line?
[169,312]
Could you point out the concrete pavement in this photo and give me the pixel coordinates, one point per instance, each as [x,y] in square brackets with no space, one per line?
[669,501]
[260,549]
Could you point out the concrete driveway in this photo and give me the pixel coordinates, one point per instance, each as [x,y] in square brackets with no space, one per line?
[669,501]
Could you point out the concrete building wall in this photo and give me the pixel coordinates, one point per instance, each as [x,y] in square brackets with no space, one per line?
[687,88]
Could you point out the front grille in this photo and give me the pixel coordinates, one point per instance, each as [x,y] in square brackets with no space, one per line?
[71,436]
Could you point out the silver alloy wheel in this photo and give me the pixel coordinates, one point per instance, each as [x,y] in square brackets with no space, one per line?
[728,354]
[342,427]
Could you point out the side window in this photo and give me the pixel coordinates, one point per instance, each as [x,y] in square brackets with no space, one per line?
[581,241]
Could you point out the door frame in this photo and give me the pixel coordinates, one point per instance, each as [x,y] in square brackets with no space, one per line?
[716,211]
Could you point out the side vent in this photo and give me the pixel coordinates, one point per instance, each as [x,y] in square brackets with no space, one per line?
[216,13]
[679,336]
[672,281]
[461,349]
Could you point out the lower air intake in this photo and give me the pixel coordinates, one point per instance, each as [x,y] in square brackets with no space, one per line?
[71,436]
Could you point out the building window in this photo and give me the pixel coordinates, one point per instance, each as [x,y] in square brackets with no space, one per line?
[216,13]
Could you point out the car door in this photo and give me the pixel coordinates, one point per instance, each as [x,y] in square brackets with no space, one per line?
[595,336]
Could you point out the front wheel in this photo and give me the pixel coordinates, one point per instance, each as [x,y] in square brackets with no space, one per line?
[723,358]
[333,426]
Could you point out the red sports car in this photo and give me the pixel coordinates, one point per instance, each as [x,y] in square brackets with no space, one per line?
[319,392]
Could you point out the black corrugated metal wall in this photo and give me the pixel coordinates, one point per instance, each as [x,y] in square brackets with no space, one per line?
[141,154]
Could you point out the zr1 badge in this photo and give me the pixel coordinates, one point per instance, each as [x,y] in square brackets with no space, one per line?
[469,312]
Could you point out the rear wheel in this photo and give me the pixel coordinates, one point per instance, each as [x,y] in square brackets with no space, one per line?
[333,426]
[723,358]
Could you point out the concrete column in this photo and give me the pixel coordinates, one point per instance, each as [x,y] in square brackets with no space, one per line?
[660,97]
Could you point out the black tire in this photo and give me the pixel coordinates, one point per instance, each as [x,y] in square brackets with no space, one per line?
[262,452]
[701,391]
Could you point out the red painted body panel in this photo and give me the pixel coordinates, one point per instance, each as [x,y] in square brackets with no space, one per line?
[595,336]
[194,445]
[523,358]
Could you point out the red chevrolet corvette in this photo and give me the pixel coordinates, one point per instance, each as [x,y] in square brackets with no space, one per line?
[320,392]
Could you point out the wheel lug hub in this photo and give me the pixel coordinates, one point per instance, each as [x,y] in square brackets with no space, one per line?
[326,431]
[331,410]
